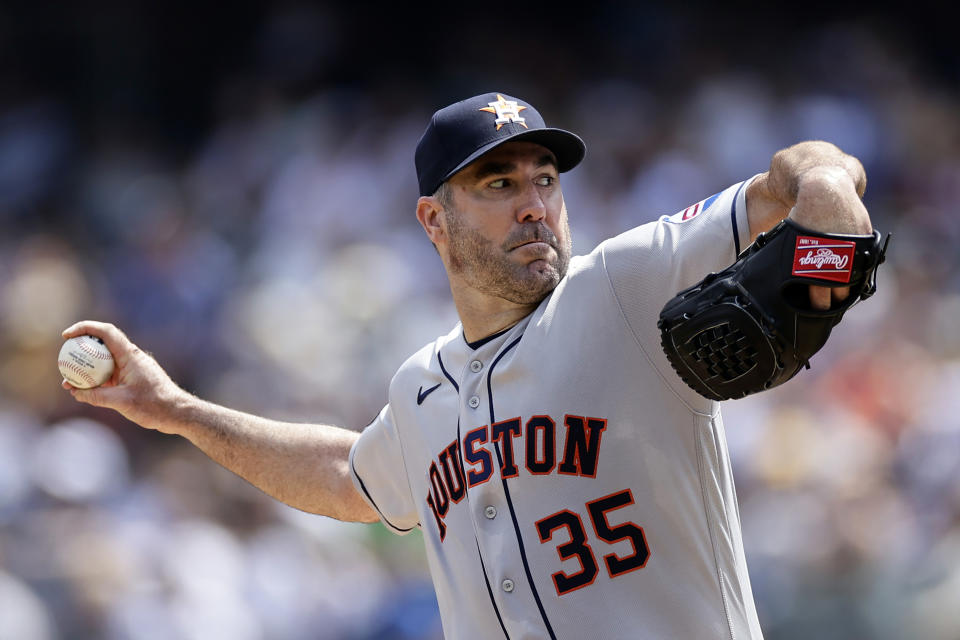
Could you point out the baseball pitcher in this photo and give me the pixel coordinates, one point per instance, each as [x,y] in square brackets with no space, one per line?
[562,448]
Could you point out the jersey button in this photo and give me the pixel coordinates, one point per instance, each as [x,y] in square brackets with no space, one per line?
[507,585]
[475,366]
[490,512]
[474,402]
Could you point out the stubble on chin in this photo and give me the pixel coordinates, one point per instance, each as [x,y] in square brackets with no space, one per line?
[490,268]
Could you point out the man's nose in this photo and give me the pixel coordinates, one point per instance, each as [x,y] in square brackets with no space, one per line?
[531,207]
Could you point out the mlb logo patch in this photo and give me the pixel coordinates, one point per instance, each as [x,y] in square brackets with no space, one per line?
[824,258]
[692,211]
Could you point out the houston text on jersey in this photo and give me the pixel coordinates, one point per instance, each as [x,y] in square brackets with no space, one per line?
[467,463]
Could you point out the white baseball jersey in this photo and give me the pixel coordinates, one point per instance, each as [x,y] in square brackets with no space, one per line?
[567,482]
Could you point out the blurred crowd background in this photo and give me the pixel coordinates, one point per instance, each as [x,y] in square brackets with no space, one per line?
[233,185]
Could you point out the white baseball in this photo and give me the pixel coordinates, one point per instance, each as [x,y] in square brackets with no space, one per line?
[85,362]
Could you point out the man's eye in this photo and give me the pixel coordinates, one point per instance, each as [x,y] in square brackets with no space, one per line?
[545,181]
[499,183]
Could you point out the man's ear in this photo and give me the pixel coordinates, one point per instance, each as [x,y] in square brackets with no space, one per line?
[430,215]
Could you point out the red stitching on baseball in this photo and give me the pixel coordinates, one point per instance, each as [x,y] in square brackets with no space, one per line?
[84,345]
[75,368]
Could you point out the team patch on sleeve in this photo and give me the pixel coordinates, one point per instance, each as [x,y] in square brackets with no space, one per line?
[692,211]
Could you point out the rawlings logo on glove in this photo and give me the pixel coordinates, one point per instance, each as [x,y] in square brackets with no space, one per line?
[813,254]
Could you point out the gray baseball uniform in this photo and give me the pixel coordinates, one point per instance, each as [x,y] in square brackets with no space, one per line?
[566,481]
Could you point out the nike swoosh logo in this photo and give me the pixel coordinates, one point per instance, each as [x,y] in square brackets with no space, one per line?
[422,395]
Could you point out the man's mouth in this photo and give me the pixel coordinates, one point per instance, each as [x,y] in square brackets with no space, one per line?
[537,239]
[535,243]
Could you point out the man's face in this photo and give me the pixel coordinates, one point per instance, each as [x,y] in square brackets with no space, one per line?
[507,227]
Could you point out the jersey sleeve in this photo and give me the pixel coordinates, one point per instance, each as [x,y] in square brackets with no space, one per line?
[650,264]
[379,474]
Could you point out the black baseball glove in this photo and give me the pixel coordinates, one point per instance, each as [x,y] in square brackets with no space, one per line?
[751,326]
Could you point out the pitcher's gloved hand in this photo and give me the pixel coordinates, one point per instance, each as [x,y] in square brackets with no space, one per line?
[751,327]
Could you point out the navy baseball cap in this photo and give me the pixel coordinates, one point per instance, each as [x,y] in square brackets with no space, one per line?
[462,132]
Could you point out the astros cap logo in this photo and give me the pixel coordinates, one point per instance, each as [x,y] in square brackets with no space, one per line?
[506,111]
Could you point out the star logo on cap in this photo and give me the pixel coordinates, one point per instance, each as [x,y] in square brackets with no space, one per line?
[506,111]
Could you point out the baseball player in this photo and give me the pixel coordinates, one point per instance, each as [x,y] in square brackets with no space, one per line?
[567,481]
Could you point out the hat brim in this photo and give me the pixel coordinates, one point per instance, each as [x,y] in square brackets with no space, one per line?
[567,147]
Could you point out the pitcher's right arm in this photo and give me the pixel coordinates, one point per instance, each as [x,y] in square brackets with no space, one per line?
[303,465]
